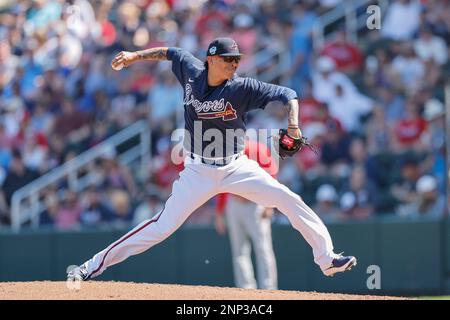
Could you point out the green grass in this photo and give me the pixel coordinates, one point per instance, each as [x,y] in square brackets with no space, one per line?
[434,298]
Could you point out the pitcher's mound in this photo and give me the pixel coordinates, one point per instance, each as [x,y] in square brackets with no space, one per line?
[110,290]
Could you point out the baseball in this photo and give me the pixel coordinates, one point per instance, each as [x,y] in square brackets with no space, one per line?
[117,67]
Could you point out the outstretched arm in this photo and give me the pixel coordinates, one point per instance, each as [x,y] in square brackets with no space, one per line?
[293,129]
[127,58]
[159,54]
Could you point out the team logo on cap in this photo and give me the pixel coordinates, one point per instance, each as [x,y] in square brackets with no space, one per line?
[234,46]
[212,50]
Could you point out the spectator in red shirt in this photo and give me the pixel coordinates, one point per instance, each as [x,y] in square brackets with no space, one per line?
[347,56]
[310,106]
[409,130]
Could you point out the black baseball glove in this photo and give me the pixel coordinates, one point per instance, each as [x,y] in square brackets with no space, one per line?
[288,145]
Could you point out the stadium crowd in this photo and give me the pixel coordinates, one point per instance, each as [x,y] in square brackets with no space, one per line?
[374,108]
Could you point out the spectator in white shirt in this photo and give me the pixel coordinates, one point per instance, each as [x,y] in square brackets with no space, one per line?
[402,20]
[409,68]
[326,78]
[430,47]
[348,107]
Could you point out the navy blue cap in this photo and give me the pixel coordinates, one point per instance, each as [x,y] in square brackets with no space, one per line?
[224,47]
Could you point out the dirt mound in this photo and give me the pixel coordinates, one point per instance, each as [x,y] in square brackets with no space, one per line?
[101,290]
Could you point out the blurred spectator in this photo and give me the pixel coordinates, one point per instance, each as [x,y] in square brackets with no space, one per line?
[429,203]
[357,202]
[245,34]
[121,206]
[325,206]
[326,79]
[14,113]
[346,55]
[17,176]
[289,174]
[379,72]
[435,162]
[94,211]
[408,131]
[349,108]
[434,114]
[164,98]
[34,153]
[117,176]
[212,21]
[149,207]
[404,189]
[71,123]
[122,105]
[359,158]
[402,20]
[8,63]
[69,213]
[300,29]
[5,152]
[408,68]
[309,105]
[393,104]
[165,172]
[430,47]
[307,160]
[52,208]
[335,152]
[379,133]
[41,121]
[436,16]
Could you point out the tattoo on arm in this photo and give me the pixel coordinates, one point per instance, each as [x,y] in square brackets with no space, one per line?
[158,54]
[292,108]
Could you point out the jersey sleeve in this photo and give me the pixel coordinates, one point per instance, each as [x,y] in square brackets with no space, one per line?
[261,93]
[181,60]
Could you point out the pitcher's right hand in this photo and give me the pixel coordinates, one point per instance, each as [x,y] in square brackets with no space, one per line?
[124,57]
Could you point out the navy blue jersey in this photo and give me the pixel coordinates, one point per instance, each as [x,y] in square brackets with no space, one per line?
[222,109]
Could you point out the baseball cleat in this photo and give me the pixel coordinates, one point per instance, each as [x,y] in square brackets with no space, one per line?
[340,264]
[78,274]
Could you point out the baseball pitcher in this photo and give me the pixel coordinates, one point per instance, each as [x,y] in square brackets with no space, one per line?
[216,99]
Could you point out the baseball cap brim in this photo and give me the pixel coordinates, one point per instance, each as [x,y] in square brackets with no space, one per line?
[231,54]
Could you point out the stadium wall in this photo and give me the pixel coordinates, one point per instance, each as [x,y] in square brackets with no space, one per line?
[413,257]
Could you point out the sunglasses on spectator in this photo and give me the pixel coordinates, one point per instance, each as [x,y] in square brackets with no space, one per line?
[232,59]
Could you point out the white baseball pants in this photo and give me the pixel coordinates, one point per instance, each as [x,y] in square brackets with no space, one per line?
[199,182]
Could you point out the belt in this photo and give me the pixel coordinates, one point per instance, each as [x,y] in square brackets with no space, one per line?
[220,162]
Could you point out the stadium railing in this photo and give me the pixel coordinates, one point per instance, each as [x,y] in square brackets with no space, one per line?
[27,203]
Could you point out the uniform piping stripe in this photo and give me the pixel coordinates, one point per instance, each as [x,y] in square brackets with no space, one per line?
[127,237]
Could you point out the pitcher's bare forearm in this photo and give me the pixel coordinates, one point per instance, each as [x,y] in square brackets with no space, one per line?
[153,54]
[293,129]
[292,108]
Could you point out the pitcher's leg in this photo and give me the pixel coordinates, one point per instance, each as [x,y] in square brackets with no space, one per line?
[177,209]
[244,275]
[250,181]
[260,231]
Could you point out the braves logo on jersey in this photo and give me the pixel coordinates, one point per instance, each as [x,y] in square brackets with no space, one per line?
[209,109]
